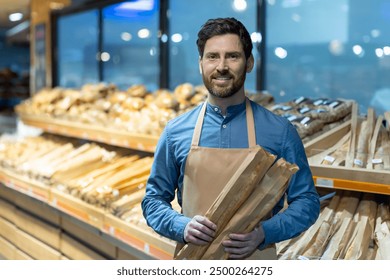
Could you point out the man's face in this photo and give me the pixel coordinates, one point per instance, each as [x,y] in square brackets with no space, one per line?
[224,66]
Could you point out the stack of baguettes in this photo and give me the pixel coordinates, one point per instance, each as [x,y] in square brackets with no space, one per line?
[365,145]
[246,199]
[353,226]
[85,170]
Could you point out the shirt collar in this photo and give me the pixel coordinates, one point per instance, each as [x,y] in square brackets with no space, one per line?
[231,110]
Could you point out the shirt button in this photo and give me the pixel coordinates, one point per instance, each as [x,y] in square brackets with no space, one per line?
[224,126]
[216,109]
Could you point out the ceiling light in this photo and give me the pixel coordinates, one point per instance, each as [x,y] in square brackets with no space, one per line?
[15,16]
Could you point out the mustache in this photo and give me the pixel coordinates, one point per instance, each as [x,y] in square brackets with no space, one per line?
[224,74]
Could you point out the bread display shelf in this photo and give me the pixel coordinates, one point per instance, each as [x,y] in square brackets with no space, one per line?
[110,136]
[356,179]
[349,179]
[77,208]
[138,239]
[27,186]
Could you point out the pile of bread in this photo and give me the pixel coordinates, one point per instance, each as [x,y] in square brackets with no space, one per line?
[135,110]
[108,177]
[366,144]
[352,226]
[313,116]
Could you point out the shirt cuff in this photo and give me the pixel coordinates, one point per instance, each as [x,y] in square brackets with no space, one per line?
[179,226]
[267,228]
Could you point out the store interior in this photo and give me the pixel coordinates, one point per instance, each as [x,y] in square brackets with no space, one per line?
[102,78]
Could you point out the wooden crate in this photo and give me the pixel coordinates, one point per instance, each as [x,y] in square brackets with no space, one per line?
[7,249]
[8,230]
[7,210]
[92,238]
[20,255]
[38,208]
[125,255]
[74,250]
[5,192]
[35,248]
[39,229]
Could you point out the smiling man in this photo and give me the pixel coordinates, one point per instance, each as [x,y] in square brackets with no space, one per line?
[218,131]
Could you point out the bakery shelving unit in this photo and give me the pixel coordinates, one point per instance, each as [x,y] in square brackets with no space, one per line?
[344,178]
[137,242]
[355,179]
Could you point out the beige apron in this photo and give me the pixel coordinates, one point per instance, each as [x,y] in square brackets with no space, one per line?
[208,170]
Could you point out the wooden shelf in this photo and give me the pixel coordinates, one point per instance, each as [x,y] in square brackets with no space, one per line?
[91,132]
[141,240]
[27,186]
[161,247]
[371,181]
[339,177]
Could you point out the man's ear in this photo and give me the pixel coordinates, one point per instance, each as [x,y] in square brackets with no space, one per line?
[200,65]
[249,64]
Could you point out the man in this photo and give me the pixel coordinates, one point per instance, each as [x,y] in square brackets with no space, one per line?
[182,162]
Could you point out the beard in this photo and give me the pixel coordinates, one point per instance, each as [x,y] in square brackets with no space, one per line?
[224,91]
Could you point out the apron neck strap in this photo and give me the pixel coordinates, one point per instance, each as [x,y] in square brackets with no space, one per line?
[249,121]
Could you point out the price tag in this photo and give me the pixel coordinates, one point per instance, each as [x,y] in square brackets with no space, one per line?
[334,104]
[358,162]
[54,202]
[305,120]
[377,161]
[11,184]
[304,110]
[299,100]
[330,159]
[323,182]
[278,106]
[140,146]
[147,248]
[126,143]
[291,118]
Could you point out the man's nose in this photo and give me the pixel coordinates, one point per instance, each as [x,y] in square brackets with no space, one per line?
[222,65]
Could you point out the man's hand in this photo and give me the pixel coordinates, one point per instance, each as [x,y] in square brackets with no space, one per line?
[199,231]
[241,246]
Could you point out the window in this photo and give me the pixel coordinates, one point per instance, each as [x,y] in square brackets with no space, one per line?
[329,48]
[78,49]
[130,53]
[125,54]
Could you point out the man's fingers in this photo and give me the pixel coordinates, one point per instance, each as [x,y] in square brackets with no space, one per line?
[199,231]
[201,234]
[206,222]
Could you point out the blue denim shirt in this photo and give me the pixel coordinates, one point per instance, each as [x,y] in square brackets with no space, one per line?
[275,134]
